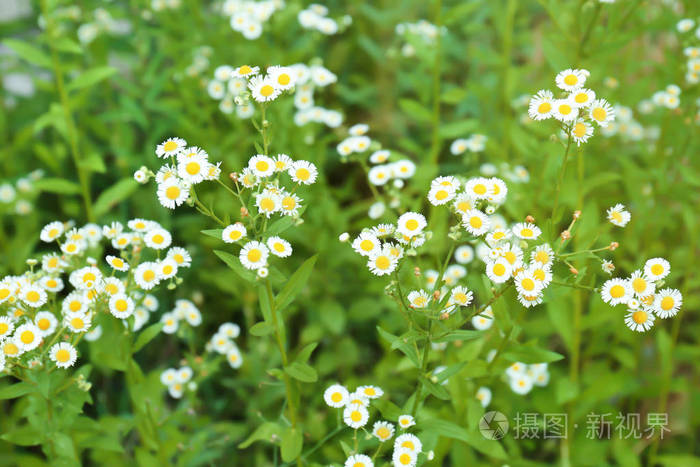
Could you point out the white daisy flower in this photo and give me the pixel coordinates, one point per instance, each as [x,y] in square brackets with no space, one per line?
[439,195]
[526,231]
[656,269]
[358,460]
[234,357]
[483,395]
[170,323]
[268,202]
[233,233]
[379,174]
[173,192]
[366,244]
[406,421]
[541,105]
[254,255]
[246,70]
[170,147]
[380,156]
[526,284]
[336,396]
[181,256]
[27,336]
[279,247]
[117,263]
[158,239]
[193,169]
[283,77]
[63,354]
[582,97]
[263,89]
[581,130]
[476,222]
[261,166]
[499,271]
[290,204]
[565,110]
[166,268]
[418,298]
[618,215]
[382,262]
[383,431]
[411,224]
[408,441]
[355,416]
[667,302]
[33,295]
[403,169]
[616,291]
[370,392]
[461,296]
[51,231]
[521,384]
[570,79]
[601,112]
[403,457]
[45,321]
[639,320]
[458,146]
[483,320]
[146,275]
[303,172]
[121,306]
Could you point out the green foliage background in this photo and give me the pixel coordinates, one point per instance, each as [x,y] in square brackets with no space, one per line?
[128,93]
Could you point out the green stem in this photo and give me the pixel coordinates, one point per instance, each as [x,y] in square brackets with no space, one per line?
[67,115]
[560,181]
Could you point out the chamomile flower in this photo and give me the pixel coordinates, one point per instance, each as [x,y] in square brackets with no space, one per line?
[216,89]
[439,195]
[261,166]
[117,263]
[63,354]
[541,273]
[411,224]
[521,384]
[639,320]
[408,441]
[263,89]
[526,284]
[541,105]
[254,255]
[6,327]
[279,247]
[601,112]
[382,262]
[283,77]
[74,303]
[112,286]
[366,244]
[499,271]
[379,175]
[51,263]
[461,296]
[170,147]
[173,192]
[418,299]
[582,97]
[641,286]
[458,146]
[483,395]
[497,236]
[463,203]
[404,458]
[383,431]
[581,130]
[476,222]
[193,169]
[170,323]
[380,156]
[464,254]
[403,169]
[543,254]
[46,322]
[27,336]
[478,188]
[656,269]
[570,79]
[246,70]
[166,172]
[565,110]
[336,396]
[483,320]
[618,215]
[166,268]
[51,232]
[121,306]
[358,398]
[290,204]
[33,295]
[303,172]
[667,302]
[268,202]
[371,392]
[616,291]
[355,416]
[282,162]
[498,190]
[358,460]
[234,357]
[526,231]
[158,239]
[233,233]
[406,421]
[74,247]
[146,275]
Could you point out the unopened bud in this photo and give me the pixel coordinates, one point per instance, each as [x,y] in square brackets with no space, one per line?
[244,211]
[233,176]
[530,219]
[577,214]
[565,235]
[416,271]
[444,315]
[573,271]
[614,245]
[436,295]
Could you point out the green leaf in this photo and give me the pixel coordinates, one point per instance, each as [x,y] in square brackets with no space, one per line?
[90,77]
[473,439]
[265,432]
[292,444]
[408,350]
[24,436]
[416,110]
[301,371]
[265,305]
[458,129]
[15,390]
[57,185]
[530,354]
[113,195]
[235,264]
[214,233]
[436,390]
[64,44]
[453,96]
[295,284]
[146,336]
[459,335]
[29,52]
[261,329]
[94,163]
[305,353]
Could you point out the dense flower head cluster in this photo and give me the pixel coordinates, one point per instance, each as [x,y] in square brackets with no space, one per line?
[691,49]
[51,308]
[248,16]
[177,380]
[474,143]
[669,97]
[522,378]
[315,17]
[356,408]
[577,109]
[17,197]
[643,296]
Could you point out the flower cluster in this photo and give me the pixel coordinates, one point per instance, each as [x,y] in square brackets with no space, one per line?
[102,23]
[222,342]
[19,196]
[669,98]
[627,126]
[248,17]
[578,108]
[642,295]
[475,143]
[315,17]
[263,177]
[184,310]
[40,314]
[522,378]
[177,380]
[692,50]
[355,412]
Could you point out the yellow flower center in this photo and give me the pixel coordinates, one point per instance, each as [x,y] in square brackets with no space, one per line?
[639,317]
[284,79]
[383,432]
[77,323]
[33,296]
[355,416]
[254,255]
[303,174]
[4,327]
[571,79]
[565,109]
[244,70]
[411,224]
[383,262]
[121,305]
[75,305]
[42,324]
[234,235]
[499,269]
[279,247]
[169,146]
[579,130]
[267,90]
[53,233]
[336,397]
[544,107]
[475,222]
[639,284]
[405,459]
[62,355]
[657,269]
[267,204]
[117,262]
[526,232]
[193,168]
[480,189]
[27,337]
[527,284]
[441,194]
[172,192]
[599,113]
[408,444]
[667,303]
[617,291]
